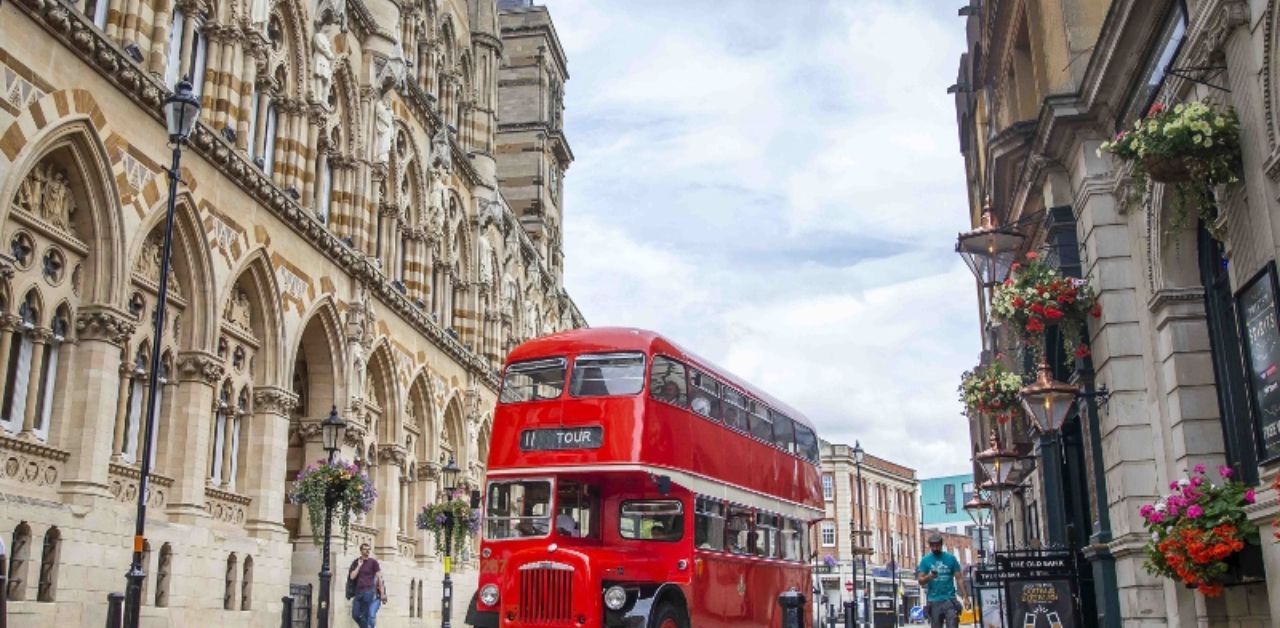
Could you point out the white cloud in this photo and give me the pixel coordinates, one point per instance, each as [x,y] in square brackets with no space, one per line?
[776,186]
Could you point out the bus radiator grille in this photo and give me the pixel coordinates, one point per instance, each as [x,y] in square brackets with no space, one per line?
[546,596]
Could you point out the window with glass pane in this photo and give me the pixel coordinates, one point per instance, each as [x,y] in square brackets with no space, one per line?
[518,509]
[577,509]
[806,442]
[1163,56]
[828,534]
[704,394]
[828,487]
[667,382]
[737,529]
[708,524]
[784,433]
[735,410]
[792,539]
[607,374]
[766,535]
[534,380]
[652,520]
[761,426]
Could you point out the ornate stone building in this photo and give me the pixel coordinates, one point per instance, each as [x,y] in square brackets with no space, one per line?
[369,218]
[1183,367]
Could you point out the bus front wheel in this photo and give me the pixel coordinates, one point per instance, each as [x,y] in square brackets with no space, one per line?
[669,615]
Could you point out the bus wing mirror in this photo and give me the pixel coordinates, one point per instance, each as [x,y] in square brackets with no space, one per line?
[664,485]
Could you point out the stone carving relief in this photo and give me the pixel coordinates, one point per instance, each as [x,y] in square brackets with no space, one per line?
[225,507]
[331,12]
[199,366]
[322,66]
[103,324]
[123,486]
[46,194]
[237,310]
[148,264]
[486,262]
[30,462]
[259,11]
[383,124]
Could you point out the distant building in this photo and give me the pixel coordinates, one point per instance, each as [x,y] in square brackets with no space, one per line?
[942,502]
[890,493]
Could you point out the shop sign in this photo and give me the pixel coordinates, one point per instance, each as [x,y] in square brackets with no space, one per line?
[1256,313]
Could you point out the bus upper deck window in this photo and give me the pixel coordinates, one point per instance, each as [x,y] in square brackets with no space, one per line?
[607,374]
[667,382]
[534,380]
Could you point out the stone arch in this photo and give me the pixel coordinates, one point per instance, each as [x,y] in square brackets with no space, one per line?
[19,562]
[484,440]
[289,48]
[421,413]
[346,113]
[74,142]
[320,350]
[254,275]
[382,389]
[1171,266]
[192,266]
[453,432]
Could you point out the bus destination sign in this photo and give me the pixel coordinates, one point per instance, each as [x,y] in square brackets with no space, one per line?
[590,437]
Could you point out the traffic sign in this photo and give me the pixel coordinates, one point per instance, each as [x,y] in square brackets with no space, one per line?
[848,586]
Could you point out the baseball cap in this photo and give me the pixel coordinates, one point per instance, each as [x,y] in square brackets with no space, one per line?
[935,538]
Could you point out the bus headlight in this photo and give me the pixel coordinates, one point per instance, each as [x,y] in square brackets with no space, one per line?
[615,597]
[489,594]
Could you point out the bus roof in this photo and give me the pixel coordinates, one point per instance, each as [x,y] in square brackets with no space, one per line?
[596,339]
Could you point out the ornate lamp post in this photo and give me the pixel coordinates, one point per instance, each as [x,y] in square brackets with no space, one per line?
[181,110]
[858,455]
[449,475]
[997,461]
[979,510]
[331,430]
[1048,400]
[990,249]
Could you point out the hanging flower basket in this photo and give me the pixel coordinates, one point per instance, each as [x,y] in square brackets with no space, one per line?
[342,485]
[1198,530]
[1165,169]
[1037,297]
[993,391]
[1191,147]
[466,521]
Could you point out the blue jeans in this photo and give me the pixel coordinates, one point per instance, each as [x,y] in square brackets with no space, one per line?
[364,608]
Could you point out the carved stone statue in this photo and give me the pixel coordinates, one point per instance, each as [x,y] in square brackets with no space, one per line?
[259,11]
[322,66]
[486,261]
[46,194]
[383,120]
[237,311]
[441,152]
[331,12]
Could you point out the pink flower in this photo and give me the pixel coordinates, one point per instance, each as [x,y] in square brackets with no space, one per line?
[1173,486]
[1157,517]
[1198,468]
[1147,510]
[1195,481]
[1194,512]
[1249,496]
[1225,471]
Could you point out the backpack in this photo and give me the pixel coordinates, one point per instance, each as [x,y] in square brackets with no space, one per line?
[351,584]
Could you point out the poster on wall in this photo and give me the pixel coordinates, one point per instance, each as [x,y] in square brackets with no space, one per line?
[992,612]
[1040,603]
[1256,313]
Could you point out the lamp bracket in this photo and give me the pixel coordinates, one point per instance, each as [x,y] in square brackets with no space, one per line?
[1185,72]
[1100,395]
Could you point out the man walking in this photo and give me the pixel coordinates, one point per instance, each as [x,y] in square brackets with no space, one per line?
[939,573]
[371,594]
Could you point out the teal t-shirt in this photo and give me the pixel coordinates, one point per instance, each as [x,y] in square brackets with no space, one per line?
[943,587]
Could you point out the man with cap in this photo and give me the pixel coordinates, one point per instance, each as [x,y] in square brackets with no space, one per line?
[939,573]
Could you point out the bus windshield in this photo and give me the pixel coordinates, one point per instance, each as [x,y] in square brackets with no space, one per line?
[518,509]
[534,380]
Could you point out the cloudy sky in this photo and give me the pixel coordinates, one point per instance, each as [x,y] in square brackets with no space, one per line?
[777,186]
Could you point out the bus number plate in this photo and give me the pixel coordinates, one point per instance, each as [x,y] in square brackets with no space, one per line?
[562,438]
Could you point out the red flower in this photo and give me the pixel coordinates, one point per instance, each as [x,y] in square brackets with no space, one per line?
[1019,302]
[1037,308]
[1096,312]
[1155,109]
[1032,255]
[1035,324]
[1052,313]
[1082,351]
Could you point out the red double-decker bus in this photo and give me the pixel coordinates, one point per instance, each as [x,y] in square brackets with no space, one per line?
[633,484]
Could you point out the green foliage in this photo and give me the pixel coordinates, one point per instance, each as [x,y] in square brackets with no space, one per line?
[342,485]
[466,521]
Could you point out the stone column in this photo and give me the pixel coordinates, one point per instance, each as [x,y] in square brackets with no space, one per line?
[198,375]
[35,384]
[264,471]
[91,397]
[391,459]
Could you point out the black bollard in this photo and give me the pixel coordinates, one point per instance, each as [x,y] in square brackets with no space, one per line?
[286,613]
[792,603]
[4,588]
[115,605]
[850,621]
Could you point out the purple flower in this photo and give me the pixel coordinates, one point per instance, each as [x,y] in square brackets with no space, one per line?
[1199,468]
[1225,471]
[1249,496]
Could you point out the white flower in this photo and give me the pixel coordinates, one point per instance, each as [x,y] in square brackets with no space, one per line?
[1184,482]
[1155,536]
[1161,507]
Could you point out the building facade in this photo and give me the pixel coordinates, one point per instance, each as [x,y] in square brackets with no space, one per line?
[877,521]
[1178,373]
[368,219]
[942,510]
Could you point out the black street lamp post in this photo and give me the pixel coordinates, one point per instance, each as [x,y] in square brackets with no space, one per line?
[332,428]
[858,455]
[181,110]
[449,475]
